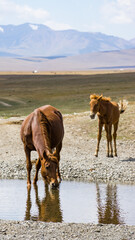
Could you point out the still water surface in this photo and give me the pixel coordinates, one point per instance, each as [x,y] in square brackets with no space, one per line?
[77,202]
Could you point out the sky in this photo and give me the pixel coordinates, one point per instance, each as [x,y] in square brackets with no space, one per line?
[112,17]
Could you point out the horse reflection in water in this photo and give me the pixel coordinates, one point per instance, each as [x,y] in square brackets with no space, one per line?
[110,212]
[48,208]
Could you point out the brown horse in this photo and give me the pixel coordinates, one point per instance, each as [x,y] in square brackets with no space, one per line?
[43,131]
[108,114]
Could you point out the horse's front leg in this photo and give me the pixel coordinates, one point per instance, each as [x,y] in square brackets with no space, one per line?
[57,154]
[100,126]
[28,165]
[38,165]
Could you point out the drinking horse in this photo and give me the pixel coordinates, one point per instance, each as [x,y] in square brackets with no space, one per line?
[43,131]
[108,113]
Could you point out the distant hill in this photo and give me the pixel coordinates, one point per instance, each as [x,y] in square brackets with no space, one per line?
[39,40]
[123,59]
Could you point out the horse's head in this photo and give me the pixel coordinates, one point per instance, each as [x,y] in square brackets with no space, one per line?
[94,105]
[49,169]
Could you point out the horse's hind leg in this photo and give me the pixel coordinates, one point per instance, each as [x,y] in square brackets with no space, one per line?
[114,138]
[57,154]
[38,165]
[28,164]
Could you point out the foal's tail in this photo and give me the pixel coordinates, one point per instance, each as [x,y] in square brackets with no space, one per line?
[122,105]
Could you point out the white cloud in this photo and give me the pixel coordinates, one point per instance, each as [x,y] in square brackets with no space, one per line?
[22,13]
[119,11]
[1,29]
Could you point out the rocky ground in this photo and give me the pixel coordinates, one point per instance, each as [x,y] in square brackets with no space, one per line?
[77,163]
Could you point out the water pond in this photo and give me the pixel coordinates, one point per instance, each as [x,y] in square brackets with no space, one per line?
[76,202]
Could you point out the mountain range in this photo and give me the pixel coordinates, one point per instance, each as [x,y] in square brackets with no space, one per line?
[31,40]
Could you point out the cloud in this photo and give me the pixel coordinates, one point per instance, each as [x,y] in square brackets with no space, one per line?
[22,13]
[119,11]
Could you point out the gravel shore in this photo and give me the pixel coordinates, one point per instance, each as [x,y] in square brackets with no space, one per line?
[77,163]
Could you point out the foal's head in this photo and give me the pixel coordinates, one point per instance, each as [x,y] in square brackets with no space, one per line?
[49,169]
[94,105]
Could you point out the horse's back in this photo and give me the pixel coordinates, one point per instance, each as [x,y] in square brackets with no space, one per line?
[55,121]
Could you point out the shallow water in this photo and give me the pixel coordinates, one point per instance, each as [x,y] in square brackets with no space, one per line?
[76,202]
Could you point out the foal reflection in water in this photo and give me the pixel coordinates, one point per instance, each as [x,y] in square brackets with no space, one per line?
[48,208]
[109,213]
[42,131]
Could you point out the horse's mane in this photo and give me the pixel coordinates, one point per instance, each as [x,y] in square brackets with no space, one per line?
[94,96]
[44,124]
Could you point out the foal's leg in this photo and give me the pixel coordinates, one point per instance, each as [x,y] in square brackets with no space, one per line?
[100,126]
[114,138]
[107,137]
[110,139]
[108,128]
[38,165]
[28,164]
[57,154]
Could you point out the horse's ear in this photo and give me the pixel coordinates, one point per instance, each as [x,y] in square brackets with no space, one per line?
[100,97]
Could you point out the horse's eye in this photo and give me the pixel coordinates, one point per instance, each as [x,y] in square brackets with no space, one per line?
[47,166]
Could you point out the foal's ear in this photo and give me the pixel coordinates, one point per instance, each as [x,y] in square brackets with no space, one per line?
[100,97]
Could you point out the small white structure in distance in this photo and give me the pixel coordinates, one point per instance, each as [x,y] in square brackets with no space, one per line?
[35,71]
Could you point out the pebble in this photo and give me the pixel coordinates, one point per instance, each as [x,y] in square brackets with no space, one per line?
[77,163]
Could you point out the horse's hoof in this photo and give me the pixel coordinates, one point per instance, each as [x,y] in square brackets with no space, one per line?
[29,186]
[59,179]
[35,182]
[96,155]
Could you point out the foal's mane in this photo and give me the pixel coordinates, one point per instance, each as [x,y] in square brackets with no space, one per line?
[94,96]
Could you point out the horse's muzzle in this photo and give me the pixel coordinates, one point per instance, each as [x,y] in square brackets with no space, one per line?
[54,185]
[92,116]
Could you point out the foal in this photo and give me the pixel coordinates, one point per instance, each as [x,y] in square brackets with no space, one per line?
[108,114]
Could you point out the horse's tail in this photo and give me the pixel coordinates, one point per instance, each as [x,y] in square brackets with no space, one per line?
[122,105]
